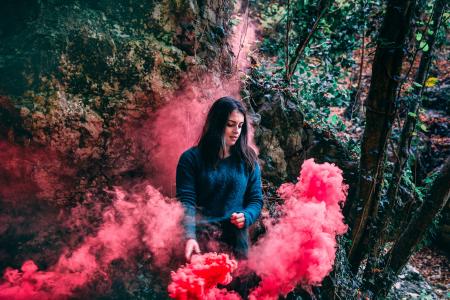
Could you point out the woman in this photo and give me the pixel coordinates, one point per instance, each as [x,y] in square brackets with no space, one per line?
[219,183]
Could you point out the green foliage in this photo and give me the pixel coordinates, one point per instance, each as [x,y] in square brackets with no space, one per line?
[314,95]
[433,229]
[408,182]
[319,82]
[318,85]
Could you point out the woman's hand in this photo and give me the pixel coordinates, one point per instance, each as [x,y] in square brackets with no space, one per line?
[238,219]
[191,246]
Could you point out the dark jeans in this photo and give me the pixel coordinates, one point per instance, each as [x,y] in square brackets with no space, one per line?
[223,237]
[227,238]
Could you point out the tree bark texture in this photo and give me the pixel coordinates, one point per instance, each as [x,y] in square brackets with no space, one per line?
[411,121]
[398,256]
[404,146]
[380,112]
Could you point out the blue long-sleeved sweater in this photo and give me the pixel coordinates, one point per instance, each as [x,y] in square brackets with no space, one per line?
[212,195]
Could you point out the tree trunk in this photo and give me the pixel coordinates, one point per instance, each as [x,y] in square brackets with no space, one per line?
[411,120]
[398,256]
[405,142]
[380,111]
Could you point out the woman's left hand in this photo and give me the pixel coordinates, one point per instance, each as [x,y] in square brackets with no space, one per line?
[238,219]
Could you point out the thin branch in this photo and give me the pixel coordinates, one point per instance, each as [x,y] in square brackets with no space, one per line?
[414,57]
[243,35]
[302,46]
[361,64]
[288,29]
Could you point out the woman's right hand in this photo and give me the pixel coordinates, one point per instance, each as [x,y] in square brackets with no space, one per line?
[191,246]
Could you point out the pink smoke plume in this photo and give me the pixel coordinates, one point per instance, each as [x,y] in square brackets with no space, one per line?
[177,125]
[243,38]
[199,278]
[173,129]
[134,220]
[29,283]
[301,247]
[31,172]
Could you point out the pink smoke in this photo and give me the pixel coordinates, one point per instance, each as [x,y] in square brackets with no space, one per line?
[177,125]
[175,128]
[134,220]
[221,294]
[167,133]
[199,278]
[243,39]
[300,248]
[29,283]
[32,172]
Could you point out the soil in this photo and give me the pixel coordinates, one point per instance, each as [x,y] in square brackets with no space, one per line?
[433,264]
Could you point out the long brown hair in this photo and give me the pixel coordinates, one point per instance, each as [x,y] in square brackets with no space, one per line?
[211,140]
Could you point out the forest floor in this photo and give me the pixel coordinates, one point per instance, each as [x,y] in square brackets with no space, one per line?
[425,277]
[433,264]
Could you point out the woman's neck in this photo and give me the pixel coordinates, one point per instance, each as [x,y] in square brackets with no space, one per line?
[225,152]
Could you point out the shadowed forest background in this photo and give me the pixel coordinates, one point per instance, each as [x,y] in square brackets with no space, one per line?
[99,98]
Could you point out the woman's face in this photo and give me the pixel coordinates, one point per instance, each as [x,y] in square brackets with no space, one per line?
[233,127]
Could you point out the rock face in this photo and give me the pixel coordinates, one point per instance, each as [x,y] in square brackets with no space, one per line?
[102,47]
[285,140]
[73,73]
[280,136]
[73,76]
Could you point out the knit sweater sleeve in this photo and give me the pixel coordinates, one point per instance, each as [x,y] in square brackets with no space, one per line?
[253,200]
[186,192]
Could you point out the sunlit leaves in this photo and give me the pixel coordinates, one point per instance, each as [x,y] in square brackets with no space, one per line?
[419,36]
[424,46]
[431,81]
[423,127]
